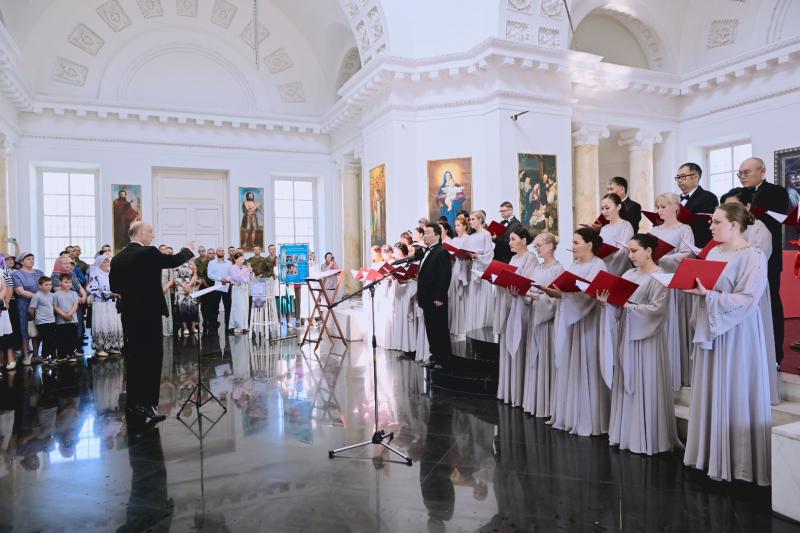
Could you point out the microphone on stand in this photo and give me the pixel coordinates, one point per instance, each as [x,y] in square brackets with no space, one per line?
[405,261]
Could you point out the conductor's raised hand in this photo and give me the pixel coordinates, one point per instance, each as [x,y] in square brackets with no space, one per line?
[191,245]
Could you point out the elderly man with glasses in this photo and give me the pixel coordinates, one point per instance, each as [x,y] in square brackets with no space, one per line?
[697,200]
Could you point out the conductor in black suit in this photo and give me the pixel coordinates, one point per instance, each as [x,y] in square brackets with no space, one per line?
[697,200]
[502,251]
[752,174]
[136,276]
[633,210]
[433,282]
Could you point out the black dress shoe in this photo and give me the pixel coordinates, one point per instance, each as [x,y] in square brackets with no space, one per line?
[144,414]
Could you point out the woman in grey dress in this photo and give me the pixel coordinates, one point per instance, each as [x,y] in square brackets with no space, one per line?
[730,416]
[617,232]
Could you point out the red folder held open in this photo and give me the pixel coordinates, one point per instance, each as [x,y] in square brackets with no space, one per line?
[508,279]
[787,220]
[687,217]
[689,270]
[411,271]
[599,221]
[494,270]
[566,282]
[662,249]
[459,253]
[707,248]
[497,229]
[606,250]
[653,217]
[621,289]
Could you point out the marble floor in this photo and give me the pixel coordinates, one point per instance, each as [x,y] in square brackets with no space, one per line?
[69,463]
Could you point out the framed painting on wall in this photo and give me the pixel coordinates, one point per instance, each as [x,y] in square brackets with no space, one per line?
[538,192]
[251,227]
[377,205]
[126,208]
[787,173]
[449,188]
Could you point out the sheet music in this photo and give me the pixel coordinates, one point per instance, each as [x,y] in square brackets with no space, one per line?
[664,278]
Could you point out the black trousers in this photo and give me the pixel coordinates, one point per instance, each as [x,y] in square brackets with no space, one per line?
[774,279]
[144,353]
[225,297]
[437,328]
[206,304]
[47,334]
[66,339]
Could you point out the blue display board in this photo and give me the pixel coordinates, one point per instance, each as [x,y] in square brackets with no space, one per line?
[294,263]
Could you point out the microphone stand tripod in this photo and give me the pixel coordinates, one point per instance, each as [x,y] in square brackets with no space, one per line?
[379,435]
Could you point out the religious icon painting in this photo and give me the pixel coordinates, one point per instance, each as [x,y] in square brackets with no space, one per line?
[126,208]
[787,173]
[251,228]
[377,205]
[538,193]
[449,188]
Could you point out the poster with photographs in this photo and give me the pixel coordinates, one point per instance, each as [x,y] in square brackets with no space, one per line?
[377,205]
[449,188]
[787,173]
[294,263]
[251,227]
[126,207]
[538,192]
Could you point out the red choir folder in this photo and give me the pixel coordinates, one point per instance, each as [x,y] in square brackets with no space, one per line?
[707,248]
[508,279]
[662,249]
[497,229]
[689,270]
[606,250]
[599,221]
[789,220]
[459,253]
[386,269]
[687,217]
[373,275]
[495,268]
[653,217]
[566,282]
[408,273]
[620,288]
[398,273]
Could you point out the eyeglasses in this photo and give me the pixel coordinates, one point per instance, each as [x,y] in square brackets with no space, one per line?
[743,173]
[505,209]
[683,177]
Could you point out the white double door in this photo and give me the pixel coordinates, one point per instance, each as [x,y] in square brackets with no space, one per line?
[190,206]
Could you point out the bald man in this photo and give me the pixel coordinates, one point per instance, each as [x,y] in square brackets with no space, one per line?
[752,174]
[136,276]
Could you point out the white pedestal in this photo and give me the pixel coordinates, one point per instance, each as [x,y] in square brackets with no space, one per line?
[352,322]
[786,470]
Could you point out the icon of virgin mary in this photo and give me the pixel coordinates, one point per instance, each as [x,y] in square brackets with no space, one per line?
[451,197]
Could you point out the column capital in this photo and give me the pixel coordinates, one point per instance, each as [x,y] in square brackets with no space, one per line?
[639,139]
[6,145]
[589,134]
[347,163]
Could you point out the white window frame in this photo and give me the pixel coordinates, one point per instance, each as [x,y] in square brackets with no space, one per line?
[707,171]
[314,218]
[40,171]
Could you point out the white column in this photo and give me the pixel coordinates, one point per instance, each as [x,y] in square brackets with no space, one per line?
[5,152]
[350,174]
[641,177]
[586,172]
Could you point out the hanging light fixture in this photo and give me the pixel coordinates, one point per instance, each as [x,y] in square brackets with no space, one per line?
[255,32]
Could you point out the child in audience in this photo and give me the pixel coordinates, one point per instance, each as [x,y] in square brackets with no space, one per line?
[65,305]
[41,310]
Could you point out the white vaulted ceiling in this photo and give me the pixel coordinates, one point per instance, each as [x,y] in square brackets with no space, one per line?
[185,54]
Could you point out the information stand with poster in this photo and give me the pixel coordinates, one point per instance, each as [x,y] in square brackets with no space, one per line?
[292,273]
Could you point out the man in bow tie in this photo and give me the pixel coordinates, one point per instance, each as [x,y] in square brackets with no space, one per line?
[502,250]
[697,200]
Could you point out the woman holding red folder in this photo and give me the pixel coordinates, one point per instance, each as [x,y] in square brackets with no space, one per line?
[642,417]
[480,294]
[680,328]
[540,348]
[618,230]
[512,318]
[730,415]
[459,283]
[581,396]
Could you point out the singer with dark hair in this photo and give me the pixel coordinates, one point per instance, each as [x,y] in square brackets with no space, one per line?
[433,283]
[616,233]
[633,210]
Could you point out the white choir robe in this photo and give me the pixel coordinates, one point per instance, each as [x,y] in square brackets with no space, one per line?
[540,350]
[401,330]
[730,415]
[642,417]
[679,325]
[457,293]
[617,234]
[480,294]
[581,396]
[513,318]
[423,348]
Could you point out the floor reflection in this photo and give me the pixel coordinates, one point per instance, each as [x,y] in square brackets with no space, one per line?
[67,459]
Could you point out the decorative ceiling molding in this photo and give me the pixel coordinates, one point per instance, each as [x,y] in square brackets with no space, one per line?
[292,93]
[69,72]
[187,8]
[278,61]
[521,6]
[247,34]
[722,33]
[350,65]
[368,25]
[150,8]
[87,40]
[114,15]
[648,39]
[222,13]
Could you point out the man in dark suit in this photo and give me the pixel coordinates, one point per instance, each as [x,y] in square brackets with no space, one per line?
[433,282]
[136,276]
[697,200]
[633,210]
[502,251]
[752,174]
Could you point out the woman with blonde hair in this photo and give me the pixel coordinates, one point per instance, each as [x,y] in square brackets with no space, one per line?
[480,295]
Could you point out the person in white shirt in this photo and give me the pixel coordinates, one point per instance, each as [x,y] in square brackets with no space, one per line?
[219,271]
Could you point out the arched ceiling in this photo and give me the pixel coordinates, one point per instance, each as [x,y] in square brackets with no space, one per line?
[192,54]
